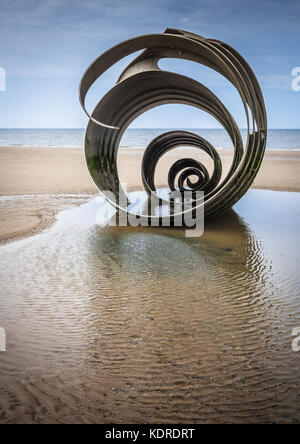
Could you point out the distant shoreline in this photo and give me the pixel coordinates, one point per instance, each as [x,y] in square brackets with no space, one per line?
[138,137]
[140,129]
[124,147]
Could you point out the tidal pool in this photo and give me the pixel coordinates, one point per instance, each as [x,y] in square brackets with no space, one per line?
[144,325]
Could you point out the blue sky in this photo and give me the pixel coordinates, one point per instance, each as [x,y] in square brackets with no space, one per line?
[46,45]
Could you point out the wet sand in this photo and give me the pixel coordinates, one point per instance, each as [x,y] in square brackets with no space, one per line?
[121,325]
[22,216]
[60,171]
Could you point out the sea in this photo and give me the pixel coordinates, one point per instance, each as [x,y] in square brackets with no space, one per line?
[278,139]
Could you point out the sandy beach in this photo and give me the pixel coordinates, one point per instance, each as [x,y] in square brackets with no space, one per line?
[46,175]
[149,295]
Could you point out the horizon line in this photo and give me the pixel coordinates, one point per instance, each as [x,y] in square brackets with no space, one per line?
[152,128]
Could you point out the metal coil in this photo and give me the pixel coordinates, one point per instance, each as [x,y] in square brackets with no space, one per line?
[143,86]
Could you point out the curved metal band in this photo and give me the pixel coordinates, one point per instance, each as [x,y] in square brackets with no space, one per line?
[143,85]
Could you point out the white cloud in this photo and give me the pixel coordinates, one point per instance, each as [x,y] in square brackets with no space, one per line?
[2,79]
[281,82]
[60,37]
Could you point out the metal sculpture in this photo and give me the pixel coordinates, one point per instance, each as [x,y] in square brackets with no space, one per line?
[143,85]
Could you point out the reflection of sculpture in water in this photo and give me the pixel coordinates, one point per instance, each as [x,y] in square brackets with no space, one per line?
[228,240]
[190,321]
[144,85]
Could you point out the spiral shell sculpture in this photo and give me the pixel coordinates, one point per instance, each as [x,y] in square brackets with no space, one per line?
[143,85]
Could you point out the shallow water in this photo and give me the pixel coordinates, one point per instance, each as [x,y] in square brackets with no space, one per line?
[145,325]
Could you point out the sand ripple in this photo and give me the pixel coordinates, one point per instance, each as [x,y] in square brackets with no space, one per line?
[120,325]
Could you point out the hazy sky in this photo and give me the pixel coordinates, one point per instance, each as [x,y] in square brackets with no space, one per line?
[46,45]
